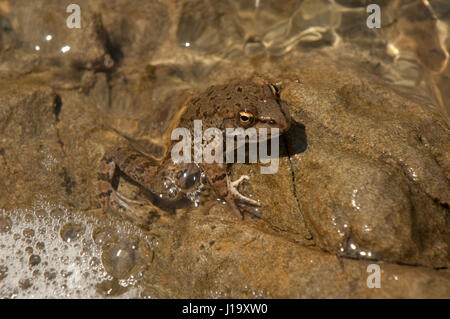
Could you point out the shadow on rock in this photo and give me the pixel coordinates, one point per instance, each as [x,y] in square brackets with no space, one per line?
[296,139]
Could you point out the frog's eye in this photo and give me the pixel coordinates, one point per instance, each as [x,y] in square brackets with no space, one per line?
[246,118]
[275,90]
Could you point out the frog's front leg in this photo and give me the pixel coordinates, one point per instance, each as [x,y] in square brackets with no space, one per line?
[137,167]
[219,178]
[232,187]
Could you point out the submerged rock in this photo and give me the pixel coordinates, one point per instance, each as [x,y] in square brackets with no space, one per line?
[39,39]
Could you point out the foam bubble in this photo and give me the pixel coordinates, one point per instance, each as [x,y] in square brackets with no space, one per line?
[52,252]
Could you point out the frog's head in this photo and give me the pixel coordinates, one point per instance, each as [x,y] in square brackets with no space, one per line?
[260,107]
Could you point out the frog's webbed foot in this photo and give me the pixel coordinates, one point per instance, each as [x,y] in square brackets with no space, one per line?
[130,209]
[232,186]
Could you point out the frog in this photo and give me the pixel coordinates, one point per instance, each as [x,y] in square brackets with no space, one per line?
[243,104]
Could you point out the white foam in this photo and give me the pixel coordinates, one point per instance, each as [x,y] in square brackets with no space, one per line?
[77,263]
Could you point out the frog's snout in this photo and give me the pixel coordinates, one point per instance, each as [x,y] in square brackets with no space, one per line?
[281,120]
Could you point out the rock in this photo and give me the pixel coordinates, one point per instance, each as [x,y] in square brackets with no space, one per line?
[373,181]
[207,257]
[276,193]
[41,155]
[134,33]
[29,143]
[53,43]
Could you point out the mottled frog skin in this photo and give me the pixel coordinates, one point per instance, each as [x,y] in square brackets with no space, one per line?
[251,103]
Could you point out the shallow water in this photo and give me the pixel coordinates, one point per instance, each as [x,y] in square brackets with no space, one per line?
[157,54]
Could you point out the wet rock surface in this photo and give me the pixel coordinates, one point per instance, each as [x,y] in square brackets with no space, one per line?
[363,175]
[31,43]
[374,179]
[219,259]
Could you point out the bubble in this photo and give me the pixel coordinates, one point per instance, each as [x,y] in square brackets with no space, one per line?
[41,213]
[25,283]
[102,235]
[28,233]
[189,177]
[34,260]
[65,260]
[111,288]
[38,261]
[65,273]
[167,183]
[71,232]
[94,262]
[28,218]
[119,258]
[50,274]
[5,224]
[173,192]
[57,212]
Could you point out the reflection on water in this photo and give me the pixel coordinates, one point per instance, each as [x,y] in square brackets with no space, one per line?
[167,48]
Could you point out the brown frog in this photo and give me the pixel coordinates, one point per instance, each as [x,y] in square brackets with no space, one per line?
[251,103]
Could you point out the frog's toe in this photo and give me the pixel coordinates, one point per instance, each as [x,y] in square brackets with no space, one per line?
[234,208]
[237,182]
[238,196]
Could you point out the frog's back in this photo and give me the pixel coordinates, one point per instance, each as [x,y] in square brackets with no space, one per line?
[220,102]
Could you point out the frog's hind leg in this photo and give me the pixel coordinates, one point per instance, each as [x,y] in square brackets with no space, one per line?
[131,163]
[105,180]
